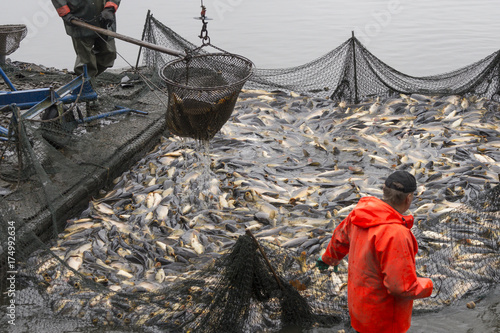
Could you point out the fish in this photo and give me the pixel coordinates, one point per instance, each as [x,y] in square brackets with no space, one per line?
[295,242]
[288,168]
[75,262]
[104,209]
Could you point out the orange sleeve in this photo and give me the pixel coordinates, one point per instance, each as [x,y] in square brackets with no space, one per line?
[338,247]
[396,254]
[63,11]
[111,4]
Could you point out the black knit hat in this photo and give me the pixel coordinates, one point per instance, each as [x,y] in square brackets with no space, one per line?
[402,181]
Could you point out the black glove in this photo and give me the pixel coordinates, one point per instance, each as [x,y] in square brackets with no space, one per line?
[108,17]
[68,17]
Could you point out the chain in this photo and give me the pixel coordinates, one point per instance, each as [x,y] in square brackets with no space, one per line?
[204,32]
[203,36]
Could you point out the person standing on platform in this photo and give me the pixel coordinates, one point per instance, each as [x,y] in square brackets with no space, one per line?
[97,52]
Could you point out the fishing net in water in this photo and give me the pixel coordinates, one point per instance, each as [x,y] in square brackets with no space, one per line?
[459,251]
[236,293]
[350,72]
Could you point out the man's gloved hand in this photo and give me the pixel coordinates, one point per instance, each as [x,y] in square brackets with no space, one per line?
[68,17]
[108,17]
[321,264]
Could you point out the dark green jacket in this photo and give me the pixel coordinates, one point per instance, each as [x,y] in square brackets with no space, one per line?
[87,10]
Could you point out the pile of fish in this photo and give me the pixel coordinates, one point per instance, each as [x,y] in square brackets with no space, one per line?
[289,168]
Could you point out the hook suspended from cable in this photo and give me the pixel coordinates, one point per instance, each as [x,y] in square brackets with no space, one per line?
[203,9]
[204,32]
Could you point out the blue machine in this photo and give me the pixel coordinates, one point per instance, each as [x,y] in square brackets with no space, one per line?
[38,100]
[25,99]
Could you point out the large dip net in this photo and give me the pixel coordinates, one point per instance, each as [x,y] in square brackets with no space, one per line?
[121,226]
[202,92]
[11,36]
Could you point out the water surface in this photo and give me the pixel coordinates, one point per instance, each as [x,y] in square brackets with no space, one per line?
[415,37]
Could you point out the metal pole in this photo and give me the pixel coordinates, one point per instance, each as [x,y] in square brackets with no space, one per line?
[146,25]
[108,114]
[127,38]
[6,79]
[355,70]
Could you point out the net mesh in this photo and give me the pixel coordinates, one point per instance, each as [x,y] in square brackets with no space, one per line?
[11,36]
[203,92]
[55,159]
[350,72]
[119,226]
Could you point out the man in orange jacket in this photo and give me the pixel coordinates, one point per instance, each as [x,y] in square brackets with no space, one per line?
[382,279]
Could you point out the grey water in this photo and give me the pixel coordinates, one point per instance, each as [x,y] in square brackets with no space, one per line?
[418,38]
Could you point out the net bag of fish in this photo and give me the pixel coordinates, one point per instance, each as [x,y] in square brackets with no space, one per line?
[10,37]
[237,292]
[202,92]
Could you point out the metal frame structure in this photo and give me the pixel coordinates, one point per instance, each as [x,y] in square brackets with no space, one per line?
[38,100]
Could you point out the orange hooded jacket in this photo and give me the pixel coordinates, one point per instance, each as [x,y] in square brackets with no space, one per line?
[382,281]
